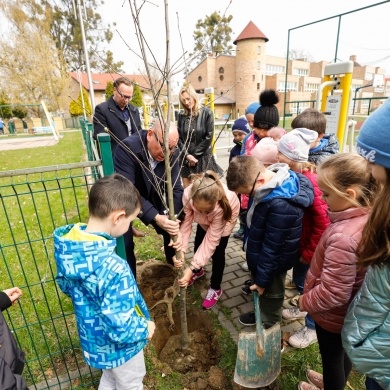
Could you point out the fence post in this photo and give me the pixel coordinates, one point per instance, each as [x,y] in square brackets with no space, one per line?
[104,141]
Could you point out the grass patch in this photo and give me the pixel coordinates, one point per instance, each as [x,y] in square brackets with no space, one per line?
[68,150]
[31,207]
[296,361]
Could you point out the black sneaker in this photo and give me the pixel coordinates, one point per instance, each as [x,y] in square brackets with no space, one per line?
[247,319]
[245,288]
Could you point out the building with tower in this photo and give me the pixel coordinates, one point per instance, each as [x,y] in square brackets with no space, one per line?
[238,79]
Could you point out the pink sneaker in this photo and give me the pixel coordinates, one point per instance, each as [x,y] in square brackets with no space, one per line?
[211,298]
[195,276]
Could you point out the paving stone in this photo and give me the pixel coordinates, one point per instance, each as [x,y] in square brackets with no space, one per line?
[233,302]
[241,278]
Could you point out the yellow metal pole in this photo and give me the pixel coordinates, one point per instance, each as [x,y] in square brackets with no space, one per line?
[345,85]
[146,116]
[341,75]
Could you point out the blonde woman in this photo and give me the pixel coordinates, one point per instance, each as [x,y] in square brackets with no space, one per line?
[196,127]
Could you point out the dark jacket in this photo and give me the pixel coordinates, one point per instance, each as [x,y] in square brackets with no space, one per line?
[11,357]
[236,150]
[135,166]
[275,226]
[203,133]
[107,114]
[329,145]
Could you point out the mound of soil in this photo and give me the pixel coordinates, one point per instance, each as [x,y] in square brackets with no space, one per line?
[198,363]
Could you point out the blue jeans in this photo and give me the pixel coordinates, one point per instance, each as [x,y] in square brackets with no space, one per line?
[371,384]
[309,322]
[299,274]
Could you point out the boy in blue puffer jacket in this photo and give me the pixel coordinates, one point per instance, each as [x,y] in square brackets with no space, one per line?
[274,221]
[112,318]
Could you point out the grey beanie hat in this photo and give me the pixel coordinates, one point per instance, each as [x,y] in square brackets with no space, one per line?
[295,145]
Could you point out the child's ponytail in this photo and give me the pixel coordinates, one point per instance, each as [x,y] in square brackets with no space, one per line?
[208,188]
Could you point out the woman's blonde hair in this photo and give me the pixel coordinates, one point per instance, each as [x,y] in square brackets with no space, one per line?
[374,247]
[208,188]
[191,91]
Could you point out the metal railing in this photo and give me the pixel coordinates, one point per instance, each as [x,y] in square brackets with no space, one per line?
[33,202]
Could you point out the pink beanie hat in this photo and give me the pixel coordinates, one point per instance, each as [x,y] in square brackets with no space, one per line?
[276,133]
[266,151]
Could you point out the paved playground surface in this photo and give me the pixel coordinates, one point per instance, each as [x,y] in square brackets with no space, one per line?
[17,142]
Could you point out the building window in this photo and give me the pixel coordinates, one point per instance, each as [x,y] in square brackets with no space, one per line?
[369,76]
[258,86]
[294,109]
[221,70]
[221,77]
[311,87]
[258,49]
[291,86]
[253,77]
[274,69]
[200,78]
[300,72]
[258,65]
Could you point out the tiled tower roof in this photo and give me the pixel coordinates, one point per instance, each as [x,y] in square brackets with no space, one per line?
[251,31]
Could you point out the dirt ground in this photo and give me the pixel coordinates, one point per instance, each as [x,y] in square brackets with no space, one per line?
[198,363]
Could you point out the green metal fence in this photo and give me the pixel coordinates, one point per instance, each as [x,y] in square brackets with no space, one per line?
[33,202]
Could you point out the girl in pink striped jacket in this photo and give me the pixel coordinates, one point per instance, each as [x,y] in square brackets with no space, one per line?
[215,209]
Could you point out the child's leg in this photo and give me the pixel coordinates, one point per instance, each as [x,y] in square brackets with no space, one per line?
[271,301]
[299,275]
[218,264]
[199,236]
[309,322]
[335,362]
[128,376]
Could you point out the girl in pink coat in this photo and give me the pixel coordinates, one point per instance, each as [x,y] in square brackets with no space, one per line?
[215,209]
[333,278]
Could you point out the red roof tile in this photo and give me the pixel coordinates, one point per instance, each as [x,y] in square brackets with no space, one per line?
[250,32]
[100,80]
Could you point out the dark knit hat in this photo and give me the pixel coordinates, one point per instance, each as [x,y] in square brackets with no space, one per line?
[372,141]
[267,114]
[241,124]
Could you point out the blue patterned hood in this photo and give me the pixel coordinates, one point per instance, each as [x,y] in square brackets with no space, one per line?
[80,259]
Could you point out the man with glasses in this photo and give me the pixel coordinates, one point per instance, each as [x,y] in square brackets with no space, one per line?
[117,114]
[141,159]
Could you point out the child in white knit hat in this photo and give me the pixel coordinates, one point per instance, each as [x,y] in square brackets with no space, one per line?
[294,150]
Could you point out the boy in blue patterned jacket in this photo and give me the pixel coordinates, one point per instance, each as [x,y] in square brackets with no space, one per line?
[112,318]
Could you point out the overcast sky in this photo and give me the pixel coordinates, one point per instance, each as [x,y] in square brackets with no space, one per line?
[365,33]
